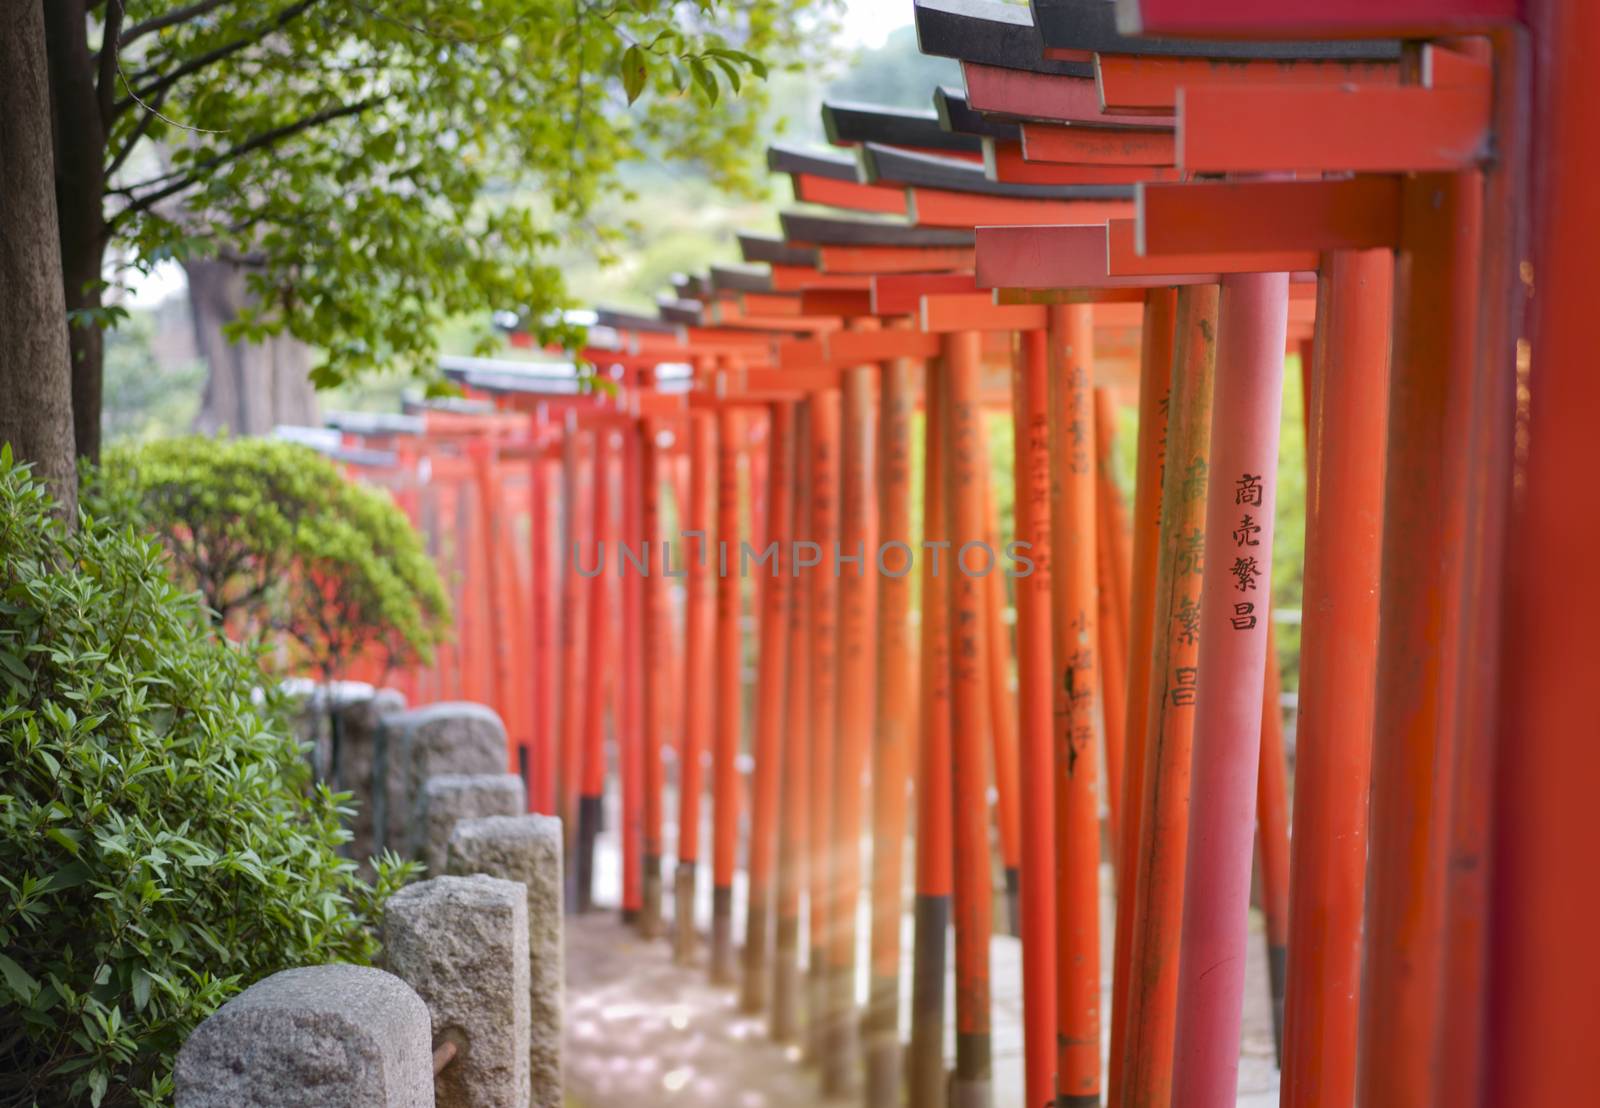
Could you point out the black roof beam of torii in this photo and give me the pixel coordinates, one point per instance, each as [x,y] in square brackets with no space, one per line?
[990,33]
[821,230]
[848,124]
[905,167]
[1090,27]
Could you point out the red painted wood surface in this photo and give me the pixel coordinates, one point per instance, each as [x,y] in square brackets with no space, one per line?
[1360,213]
[1346,407]
[1030,390]
[1141,85]
[1235,613]
[1075,641]
[1336,128]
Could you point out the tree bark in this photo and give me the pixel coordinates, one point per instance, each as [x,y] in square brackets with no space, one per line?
[251,387]
[35,371]
[80,157]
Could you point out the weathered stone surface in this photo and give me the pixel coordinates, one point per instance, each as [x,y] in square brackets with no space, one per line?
[359,722]
[451,737]
[528,849]
[315,1037]
[462,944]
[446,800]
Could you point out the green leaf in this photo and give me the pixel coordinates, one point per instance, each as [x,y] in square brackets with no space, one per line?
[141,989]
[20,981]
[634,72]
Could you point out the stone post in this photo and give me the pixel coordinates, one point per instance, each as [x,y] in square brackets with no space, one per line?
[451,737]
[528,849]
[462,944]
[445,800]
[316,1037]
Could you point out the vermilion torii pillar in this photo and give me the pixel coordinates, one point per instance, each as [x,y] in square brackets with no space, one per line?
[774,591]
[699,632]
[970,1087]
[1075,644]
[1235,609]
[729,699]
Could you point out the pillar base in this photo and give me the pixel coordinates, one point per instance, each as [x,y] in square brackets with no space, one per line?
[971,1092]
[650,898]
[786,988]
[1014,902]
[753,991]
[925,1072]
[840,1062]
[683,936]
[722,961]
[588,828]
[882,1068]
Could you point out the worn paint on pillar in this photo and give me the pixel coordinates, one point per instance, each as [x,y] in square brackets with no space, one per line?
[1158,860]
[1155,387]
[1073,610]
[1235,610]
[1030,398]
[974,890]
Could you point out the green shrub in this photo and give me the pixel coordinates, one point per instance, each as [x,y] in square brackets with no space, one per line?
[279,543]
[163,844]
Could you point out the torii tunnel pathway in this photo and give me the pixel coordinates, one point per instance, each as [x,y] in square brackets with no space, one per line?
[1094,223]
[642,1029]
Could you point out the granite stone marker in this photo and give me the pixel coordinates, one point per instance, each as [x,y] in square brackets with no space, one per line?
[528,849]
[451,737]
[462,944]
[314,1037]
[446,800]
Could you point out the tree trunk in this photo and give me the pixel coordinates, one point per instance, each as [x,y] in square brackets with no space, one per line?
[252,387]
[80,154]
[35,370]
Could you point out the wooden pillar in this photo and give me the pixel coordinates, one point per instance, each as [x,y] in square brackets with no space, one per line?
[794,812]
[1235,611]
[1155,390]
[728,696]
[1074,642]
[656,631]
[974,891]
[894,734]
[925,1082]
[1333,728]
[699,671]
[774,585]
[1157,863]
[1030,398]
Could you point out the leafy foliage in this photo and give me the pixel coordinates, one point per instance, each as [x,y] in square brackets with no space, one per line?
[164,845]
[277,541]
[382,167]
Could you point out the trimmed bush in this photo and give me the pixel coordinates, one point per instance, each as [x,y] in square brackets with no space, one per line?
[280,544]
[163,844]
